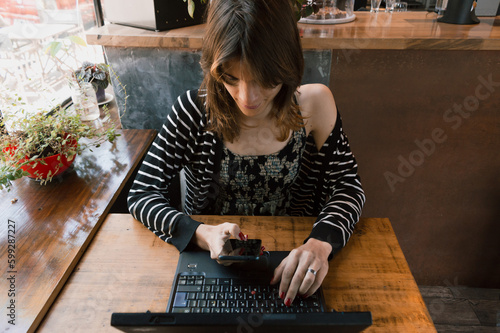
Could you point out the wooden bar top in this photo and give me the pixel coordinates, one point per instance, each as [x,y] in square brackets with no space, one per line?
[46,229]
[129,269]
[398,31]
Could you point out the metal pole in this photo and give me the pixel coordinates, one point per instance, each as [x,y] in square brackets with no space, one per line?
[98,13]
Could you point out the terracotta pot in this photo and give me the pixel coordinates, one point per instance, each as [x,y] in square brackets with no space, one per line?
[51,163]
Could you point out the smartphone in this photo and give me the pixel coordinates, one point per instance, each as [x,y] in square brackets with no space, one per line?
[237,250]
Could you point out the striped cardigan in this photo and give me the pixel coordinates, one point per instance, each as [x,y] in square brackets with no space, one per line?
[327,185]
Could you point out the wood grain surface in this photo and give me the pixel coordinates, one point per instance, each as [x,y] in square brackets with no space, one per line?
[396,31]
[128,269]
[55,223]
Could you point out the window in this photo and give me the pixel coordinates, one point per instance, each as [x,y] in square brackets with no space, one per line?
[41,43]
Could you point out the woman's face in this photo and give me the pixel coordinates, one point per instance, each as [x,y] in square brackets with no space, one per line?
[252,99]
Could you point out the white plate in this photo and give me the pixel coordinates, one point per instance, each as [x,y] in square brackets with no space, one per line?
[328,21]
[108,99]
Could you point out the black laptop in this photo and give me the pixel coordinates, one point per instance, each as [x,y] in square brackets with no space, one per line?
[209,297]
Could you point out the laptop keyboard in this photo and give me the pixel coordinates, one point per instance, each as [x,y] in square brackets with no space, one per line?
[197,294]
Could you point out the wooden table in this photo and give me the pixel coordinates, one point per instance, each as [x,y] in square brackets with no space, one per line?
[51,226]
[128,269]
[396,31]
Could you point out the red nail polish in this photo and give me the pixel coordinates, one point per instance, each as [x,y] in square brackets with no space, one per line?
[272,279]
[242,237]
[282,295]
[305,296]
[246,237]
[288,302]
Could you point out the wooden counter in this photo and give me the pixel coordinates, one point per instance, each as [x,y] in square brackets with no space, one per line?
[396,31]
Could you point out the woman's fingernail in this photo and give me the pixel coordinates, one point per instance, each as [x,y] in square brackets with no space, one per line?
[282,295]
[246,237]
[272,279]
[288,302]
[242,237]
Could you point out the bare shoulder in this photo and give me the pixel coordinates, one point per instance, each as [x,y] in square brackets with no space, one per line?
[318,107]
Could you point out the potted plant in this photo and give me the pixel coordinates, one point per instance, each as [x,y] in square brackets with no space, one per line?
[95,74]
[43,144]
[304,8]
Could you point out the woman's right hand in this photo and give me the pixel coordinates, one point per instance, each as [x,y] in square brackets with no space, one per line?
[213,237]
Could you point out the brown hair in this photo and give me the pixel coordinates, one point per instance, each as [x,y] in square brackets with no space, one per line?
[263,34]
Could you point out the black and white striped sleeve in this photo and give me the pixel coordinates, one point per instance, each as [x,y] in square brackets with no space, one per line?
[148,199]
[341,185]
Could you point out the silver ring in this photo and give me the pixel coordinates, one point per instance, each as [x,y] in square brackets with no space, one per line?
[312,271]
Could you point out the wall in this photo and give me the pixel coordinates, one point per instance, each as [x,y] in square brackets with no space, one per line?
[433,171]
[154,77]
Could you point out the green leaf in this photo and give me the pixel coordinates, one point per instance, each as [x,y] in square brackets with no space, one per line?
[77,40]
[53,48]
[307,11]
[191,8]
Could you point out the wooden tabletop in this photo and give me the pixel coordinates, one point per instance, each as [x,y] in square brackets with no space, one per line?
[128,269]
[46,229]
[398,31]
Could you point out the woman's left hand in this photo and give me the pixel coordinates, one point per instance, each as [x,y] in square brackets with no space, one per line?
[303,270]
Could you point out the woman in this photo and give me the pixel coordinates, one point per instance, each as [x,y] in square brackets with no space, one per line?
[252,141]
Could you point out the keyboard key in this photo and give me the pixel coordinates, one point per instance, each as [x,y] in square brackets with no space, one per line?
[180,300]
[189,288]
[210,281]
[181,310]
[224,281]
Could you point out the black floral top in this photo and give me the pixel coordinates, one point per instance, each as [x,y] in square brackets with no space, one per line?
[260,184]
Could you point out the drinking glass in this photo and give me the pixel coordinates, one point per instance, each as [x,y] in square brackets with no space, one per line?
[85,101]
[400,6]
[389,5]
[375,6]
[441,6]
